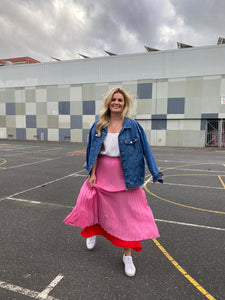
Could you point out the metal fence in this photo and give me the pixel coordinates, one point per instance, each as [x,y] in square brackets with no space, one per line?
[215,135]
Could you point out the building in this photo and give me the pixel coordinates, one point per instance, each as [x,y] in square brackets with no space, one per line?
[18,60]
[179,96]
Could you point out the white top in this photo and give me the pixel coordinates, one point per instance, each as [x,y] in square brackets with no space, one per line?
[110,146]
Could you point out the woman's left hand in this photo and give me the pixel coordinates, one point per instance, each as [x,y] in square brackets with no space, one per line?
[92,180]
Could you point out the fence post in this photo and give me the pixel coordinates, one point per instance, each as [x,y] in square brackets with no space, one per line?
[220,133]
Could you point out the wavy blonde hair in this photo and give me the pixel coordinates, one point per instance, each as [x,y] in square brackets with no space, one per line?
[105,112]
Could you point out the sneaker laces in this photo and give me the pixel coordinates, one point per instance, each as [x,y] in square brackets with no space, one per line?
[128,260]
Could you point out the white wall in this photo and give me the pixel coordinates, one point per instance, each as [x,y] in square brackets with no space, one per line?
[156,65]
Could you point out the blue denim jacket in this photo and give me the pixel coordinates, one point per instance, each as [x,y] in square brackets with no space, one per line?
[133,147]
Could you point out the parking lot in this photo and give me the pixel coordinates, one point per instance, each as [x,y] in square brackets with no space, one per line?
[42,258]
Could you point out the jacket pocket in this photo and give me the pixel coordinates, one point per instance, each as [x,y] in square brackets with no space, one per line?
[130,141]
[132,147]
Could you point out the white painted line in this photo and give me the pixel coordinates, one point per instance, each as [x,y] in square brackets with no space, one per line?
[46,183]
[186,162]
[191,225]
[44,294]
[28,152]
[20,290]
[224,165]
[36,202]
[187,185]
[195,186]
[194,170]
[200,170]
[24,200]
[79,175]
[37,162]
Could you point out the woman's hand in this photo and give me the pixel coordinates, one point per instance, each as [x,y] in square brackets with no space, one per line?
[92,180]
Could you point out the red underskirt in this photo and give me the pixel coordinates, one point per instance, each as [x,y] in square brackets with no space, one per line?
[98,230]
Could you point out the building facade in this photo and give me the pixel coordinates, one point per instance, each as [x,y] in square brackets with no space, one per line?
[179,96]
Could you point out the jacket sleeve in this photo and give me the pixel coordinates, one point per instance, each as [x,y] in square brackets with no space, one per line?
[88,148]
[156,175]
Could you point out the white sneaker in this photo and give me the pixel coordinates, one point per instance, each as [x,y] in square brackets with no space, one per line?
[90,242]
[130,269]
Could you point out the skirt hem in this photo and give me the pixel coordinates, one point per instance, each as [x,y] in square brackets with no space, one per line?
[98,230]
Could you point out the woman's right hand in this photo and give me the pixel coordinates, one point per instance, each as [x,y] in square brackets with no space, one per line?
[92,177]
[92,180]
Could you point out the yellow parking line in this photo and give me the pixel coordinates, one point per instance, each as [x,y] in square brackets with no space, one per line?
[4,161]
[183,205]
[183,272]
[221,180]
[162,249]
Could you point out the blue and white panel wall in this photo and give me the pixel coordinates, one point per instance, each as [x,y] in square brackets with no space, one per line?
[172,111]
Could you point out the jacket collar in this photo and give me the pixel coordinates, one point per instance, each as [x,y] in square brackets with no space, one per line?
[126,124]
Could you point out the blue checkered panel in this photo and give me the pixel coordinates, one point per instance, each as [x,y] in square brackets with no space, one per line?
[159,122]
[64,108]
[89,107]
[20,133]
[76,122]
[85,135]
[175,105]
[31,122]
[144,91]
[64,135]
[10,108]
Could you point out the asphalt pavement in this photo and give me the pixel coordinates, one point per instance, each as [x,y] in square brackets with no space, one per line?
[42,258]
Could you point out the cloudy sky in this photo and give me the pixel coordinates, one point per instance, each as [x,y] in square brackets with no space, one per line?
[63,28]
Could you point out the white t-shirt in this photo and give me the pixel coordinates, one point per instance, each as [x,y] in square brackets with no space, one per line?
[110,146]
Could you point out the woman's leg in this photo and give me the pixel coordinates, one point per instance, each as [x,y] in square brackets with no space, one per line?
[127,251]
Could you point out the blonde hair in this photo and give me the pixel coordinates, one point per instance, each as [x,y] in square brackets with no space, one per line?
[105,112]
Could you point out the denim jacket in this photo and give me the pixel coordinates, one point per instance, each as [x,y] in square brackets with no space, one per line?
[133,147]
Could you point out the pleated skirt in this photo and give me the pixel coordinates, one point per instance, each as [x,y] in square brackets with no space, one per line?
[109,209]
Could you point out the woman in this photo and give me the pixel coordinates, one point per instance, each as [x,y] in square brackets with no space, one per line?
[111,202]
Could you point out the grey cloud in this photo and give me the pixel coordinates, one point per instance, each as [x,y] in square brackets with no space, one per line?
[41,29]
[139,18]
[204,17]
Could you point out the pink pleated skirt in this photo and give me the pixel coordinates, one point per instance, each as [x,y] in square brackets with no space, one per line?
[109,209]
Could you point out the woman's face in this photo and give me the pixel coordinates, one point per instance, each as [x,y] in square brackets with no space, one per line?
[117,103]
